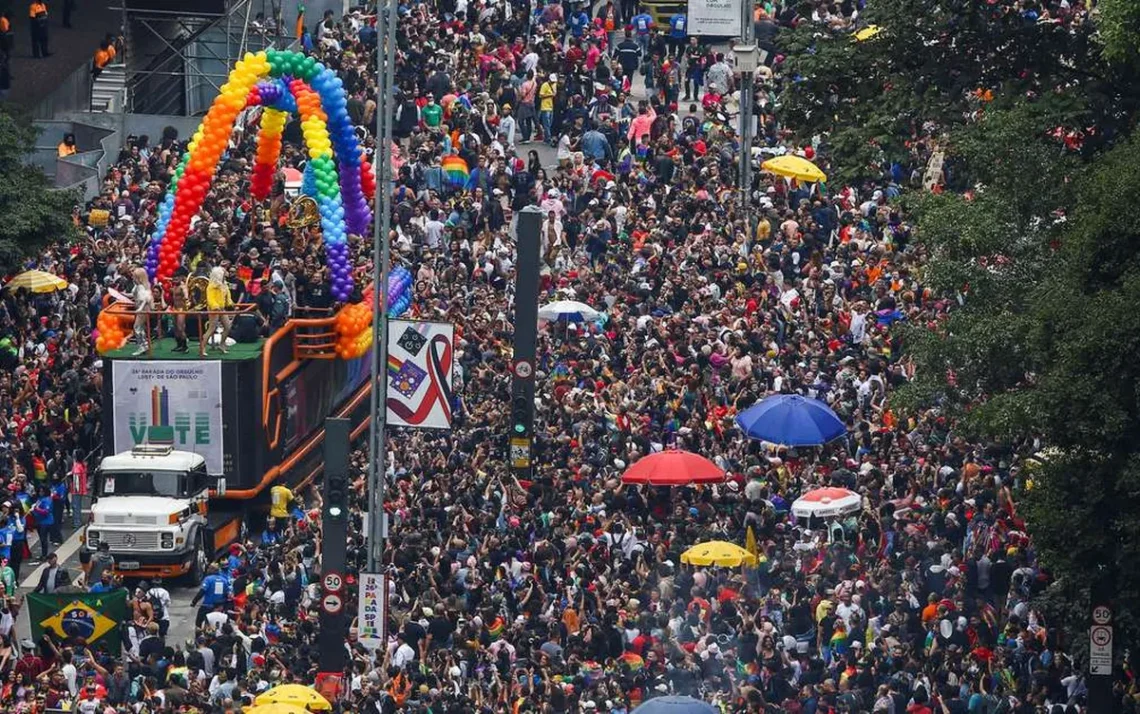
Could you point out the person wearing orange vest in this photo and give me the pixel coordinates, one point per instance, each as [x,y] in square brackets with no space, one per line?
[67,146]
[103,57]
[38,14]
[6,42]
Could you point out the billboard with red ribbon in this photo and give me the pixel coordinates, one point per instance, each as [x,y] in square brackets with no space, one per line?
[421,356]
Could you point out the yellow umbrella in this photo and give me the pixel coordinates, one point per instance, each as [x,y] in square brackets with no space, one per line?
[867,32]
[37,281]
[718,552]
[794,167]
[296,694]
[277,708]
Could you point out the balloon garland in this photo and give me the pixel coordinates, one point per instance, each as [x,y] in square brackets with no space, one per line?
[283,83]
[354,322]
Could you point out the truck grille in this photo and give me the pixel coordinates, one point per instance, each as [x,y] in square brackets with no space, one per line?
[123,520]
[130,540]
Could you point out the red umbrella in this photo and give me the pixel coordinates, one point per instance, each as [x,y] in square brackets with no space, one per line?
[673,468]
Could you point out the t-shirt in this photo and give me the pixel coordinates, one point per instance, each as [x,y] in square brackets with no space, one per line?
[280,498]
[432,115]
[546,97]
[641,23]
[677,25]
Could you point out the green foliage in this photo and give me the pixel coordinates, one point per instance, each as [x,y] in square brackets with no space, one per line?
[919,75]
[1118,26]
[33,214]
[1046,257]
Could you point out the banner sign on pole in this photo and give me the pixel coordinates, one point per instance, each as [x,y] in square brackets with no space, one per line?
[184,397]
[715,17]
[371,612]
[420,361]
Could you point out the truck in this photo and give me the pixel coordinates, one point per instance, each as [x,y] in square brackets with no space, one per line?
[195,446]
[153,512]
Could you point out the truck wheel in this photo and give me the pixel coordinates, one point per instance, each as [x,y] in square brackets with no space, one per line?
[200,563]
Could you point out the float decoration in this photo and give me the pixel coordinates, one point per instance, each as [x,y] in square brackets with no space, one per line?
[283,83]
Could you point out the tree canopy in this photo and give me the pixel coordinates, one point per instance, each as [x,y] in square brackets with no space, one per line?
[1036,244]
[934,64]
[32,213]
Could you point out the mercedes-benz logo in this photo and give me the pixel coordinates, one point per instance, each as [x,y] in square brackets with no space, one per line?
[128,539]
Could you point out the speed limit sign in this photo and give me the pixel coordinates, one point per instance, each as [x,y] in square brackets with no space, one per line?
[524,369]
[333,582]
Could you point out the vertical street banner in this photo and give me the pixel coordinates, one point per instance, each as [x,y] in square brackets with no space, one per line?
[186,397]
[91,617]
[371,611]
[715,17]
[421,357]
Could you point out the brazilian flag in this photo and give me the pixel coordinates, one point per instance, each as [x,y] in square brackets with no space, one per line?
[95,617]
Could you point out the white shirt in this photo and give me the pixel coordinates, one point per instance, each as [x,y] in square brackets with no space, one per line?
[70,674]
[217,619]
[404,655]
[163,596]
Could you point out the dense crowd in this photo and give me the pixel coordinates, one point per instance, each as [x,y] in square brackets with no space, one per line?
[566,593]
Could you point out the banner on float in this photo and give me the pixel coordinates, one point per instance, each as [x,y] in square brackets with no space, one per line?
[183,397]
[715,17]
[371,614]
[420,363]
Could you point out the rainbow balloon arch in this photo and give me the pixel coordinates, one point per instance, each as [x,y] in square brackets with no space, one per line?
[336,175]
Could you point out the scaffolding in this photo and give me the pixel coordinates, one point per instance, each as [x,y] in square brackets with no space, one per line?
[177,61]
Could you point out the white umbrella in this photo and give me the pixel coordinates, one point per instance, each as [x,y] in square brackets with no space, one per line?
[568,311]
[827,503]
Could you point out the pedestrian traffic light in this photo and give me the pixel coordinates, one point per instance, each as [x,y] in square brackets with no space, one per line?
[336,494]
[520,416]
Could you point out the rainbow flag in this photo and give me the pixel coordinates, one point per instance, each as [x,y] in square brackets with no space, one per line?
[839,641]
[39,469]
[496,628]
[456,171]
[633,661]
[592,671]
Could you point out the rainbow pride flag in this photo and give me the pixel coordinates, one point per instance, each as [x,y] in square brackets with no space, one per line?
[496,628]
[456,171]
[633,661]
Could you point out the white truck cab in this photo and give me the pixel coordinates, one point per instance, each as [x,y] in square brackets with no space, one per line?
[151,511]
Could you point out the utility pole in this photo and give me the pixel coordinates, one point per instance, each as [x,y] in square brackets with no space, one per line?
[747,67]
[386,21]
[520,440]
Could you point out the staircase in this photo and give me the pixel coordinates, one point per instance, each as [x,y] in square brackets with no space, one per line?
[109,91]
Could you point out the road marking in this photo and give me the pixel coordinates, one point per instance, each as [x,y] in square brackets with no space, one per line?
[69,548]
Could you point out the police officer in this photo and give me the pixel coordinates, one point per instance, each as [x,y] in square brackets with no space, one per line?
[215,590]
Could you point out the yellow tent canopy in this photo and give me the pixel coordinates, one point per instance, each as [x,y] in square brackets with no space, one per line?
[718,552]
[296,694]
[276,709]
[37,281]
[867,33]
[794,167]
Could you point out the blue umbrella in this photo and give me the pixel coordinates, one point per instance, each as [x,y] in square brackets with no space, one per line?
[675,705]
[791,420]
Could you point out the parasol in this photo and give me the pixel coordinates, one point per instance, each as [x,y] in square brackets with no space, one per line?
[795,167]
[673,468]
[37,281]
[718,552]
[827,503]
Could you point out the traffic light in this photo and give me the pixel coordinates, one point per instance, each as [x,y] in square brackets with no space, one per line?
[336,494]
[520,416]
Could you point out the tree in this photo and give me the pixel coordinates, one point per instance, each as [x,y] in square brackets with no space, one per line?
[33,214]
[935,64]
[1045,258]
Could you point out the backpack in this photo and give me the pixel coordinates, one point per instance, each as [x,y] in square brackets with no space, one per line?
[156,604]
